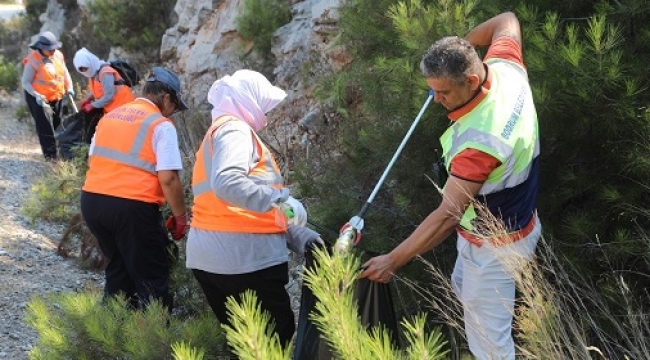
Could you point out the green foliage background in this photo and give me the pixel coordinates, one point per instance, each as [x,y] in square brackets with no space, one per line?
[586,64]
[259,19]
[137,26]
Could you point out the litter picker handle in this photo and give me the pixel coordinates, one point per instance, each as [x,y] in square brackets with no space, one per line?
[350,233]
[396,155]
[74,106]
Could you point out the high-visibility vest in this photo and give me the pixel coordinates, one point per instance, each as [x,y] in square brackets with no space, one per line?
[123,161]
[123,93]
[504,125]
[49,79]
[211,213]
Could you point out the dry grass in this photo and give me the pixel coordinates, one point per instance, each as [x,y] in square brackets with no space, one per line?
[560,314]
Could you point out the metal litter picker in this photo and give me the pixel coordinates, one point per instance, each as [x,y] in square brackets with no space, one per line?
[374,300]
[350,233]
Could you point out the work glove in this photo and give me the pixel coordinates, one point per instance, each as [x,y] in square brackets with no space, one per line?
[177,226]
[316,242]
[85,102]
[40,99]
[87,107]
[295,211]
[70,92]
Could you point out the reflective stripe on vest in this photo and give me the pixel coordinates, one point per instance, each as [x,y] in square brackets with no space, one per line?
[211,213]
[132,158]
[49,79]
[504,125]
[123,93]
[123,159]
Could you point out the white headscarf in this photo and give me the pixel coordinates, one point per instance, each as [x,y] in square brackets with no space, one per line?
[84,58]
[247,95]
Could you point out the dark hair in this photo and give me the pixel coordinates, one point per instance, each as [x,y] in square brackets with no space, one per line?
[156,90]
[452,58]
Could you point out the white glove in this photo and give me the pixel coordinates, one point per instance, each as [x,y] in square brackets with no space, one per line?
[299,213]
[40,99]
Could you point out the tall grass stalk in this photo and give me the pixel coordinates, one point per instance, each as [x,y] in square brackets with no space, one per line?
[560,313]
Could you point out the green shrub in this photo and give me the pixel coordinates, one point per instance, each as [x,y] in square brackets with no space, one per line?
[22,113]
[336,315]
[33,10]
[8,75]
[137,26]
[82,326]
[260,19]
[55,196]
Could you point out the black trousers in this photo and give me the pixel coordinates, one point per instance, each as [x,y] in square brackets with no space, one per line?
[268,285]
[91,120]
[44,128]
[131,234]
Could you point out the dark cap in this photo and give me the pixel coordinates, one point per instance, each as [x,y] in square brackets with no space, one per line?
[46,41]
[168,77]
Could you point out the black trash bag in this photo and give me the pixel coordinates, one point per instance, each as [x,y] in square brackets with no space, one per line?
[375,307]
[309,344]
[90,122]
[69,132]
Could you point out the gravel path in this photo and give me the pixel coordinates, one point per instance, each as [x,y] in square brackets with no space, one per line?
[29,265]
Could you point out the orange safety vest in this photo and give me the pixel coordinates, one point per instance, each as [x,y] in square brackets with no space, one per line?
[49,80]
[123,162]
[123,93]
[211,213]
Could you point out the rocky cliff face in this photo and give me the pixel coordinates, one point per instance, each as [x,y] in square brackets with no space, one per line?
[205,45]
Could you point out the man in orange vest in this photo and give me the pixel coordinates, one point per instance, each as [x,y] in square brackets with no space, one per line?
[134,162]
[107,88]
[239,236]
[45,81]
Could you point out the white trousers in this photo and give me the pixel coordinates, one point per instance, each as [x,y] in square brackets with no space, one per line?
[483,279]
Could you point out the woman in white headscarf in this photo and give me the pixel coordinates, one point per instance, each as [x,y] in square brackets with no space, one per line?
[107,88]
[243,217]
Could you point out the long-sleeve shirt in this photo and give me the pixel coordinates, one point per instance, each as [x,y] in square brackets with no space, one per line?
[108,87]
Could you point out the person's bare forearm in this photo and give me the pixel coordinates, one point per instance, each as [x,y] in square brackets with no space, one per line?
[429,234]
[505,24]
[173,190]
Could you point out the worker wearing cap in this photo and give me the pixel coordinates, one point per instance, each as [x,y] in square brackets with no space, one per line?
[46,81]
[134,162]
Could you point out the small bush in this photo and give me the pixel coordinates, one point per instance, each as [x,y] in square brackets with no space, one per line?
[137,26]
[55,197]
[8,75]
[22,113]
[81,326]
[259,20]
[33,10]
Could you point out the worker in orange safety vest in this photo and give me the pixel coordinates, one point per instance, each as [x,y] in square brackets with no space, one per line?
[46,81]
[240,229]
[107,89]
[134,162]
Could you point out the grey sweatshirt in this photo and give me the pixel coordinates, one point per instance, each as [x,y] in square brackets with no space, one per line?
[234,155]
